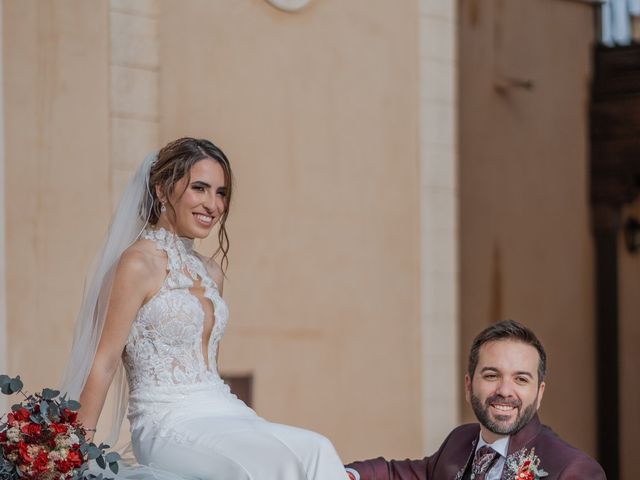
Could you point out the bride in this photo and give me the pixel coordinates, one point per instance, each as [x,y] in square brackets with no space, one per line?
[153,309]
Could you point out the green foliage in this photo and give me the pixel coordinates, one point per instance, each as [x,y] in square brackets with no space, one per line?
[16,384]
[9,385]
[49,394]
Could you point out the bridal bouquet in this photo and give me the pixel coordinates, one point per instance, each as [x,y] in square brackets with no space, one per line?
[41,438]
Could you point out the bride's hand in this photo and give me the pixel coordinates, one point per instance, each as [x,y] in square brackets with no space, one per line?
[89,434]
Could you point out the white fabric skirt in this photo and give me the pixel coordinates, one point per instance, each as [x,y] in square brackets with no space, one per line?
[205,432]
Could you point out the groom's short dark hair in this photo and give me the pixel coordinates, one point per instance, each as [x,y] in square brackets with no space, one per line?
[507,330]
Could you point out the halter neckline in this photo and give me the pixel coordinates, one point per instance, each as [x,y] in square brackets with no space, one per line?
[163,235]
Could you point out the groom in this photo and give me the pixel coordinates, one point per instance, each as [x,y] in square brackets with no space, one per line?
[504,385]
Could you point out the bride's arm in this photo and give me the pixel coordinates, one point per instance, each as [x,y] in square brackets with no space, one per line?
[131,284]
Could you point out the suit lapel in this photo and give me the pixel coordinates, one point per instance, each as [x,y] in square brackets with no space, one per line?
[465,467]
[518,445]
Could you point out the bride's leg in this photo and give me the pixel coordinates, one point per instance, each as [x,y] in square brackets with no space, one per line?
[188,460]
[315,451]
[224,449]
[239,448]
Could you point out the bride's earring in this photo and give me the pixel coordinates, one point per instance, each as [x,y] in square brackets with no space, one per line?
[163,208]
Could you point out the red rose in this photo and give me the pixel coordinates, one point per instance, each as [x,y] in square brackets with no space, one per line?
[75,458]
[69,415]
[9,447]
[24,452]
[21,415]
[32,429]
[58,428]
[41,463]
[524,472]
[63,466]
[3,437]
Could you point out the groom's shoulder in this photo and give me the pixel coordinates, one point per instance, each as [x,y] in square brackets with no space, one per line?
[548,438]
[567,458]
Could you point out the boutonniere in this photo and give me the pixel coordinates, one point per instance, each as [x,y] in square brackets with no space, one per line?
[523,465]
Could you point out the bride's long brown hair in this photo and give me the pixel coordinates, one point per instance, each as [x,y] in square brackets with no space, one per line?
[173,163]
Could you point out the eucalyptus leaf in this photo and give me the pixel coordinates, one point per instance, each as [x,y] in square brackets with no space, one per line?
[44,411]
[16,384]
[6,388]
[73,405]
[36,418]
[112,457]
[4,379]
[113,466]
[50,394]
[93,452]
[54,412]
[101,463]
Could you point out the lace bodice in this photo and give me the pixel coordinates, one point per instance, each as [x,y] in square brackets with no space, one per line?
[164,346]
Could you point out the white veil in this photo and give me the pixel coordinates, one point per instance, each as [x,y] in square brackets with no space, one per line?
[130,219]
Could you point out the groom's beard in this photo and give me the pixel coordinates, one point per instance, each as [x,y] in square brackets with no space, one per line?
[498,427]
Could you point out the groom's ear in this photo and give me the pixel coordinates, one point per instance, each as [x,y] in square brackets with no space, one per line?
[540,394]
[467,387]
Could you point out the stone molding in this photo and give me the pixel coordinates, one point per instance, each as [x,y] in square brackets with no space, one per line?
[135,76]
[439,221]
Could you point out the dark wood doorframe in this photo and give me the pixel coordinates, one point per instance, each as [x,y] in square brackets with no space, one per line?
[606,228]
[614,182]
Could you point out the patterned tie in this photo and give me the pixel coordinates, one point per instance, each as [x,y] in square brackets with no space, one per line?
[484,459]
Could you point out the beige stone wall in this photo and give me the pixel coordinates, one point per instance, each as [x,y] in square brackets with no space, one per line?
[526,244]
[318,112]
[334,137]
[134,81]
[629,265]
[57,172]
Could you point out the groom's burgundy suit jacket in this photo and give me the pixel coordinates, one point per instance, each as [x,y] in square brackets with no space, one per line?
[559,459]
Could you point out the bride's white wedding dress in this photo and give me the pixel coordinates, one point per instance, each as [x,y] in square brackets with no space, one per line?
[184,419]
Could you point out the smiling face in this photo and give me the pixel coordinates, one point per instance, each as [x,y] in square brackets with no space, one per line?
[504,391]
[197,201]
